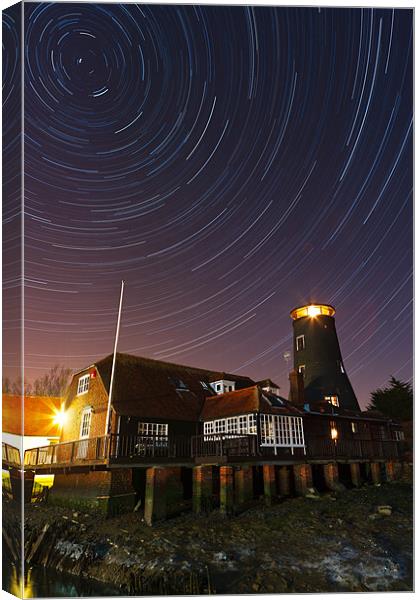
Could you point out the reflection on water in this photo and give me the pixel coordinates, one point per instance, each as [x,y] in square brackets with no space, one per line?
[44,583]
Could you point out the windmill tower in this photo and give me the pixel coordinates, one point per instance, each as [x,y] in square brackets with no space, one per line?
[317,357]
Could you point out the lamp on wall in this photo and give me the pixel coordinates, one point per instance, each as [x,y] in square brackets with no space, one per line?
[60,417]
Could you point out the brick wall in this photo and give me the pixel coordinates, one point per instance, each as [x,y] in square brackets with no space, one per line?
[97,397]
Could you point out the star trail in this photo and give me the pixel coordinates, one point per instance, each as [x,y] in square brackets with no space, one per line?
[229,163]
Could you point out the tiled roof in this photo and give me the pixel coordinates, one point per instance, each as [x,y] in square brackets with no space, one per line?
[38,417]
[150,388]
[244,401]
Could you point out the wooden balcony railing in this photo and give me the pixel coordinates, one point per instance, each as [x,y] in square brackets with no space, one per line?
[136,448]
[119,448]
[11,455]
[224,445]
[320,447]
[89,450]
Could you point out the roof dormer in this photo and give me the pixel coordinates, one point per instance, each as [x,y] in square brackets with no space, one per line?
[222,386]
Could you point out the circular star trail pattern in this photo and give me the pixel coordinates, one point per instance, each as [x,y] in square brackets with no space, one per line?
[228,163]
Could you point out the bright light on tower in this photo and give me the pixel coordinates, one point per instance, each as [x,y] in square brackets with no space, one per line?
[60,417]
[314,311]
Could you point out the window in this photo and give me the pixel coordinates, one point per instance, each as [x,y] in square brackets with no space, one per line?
[333,430]
[342,367]
[218,387]
[398,435]
[282,431]
[83,385]
[301,369]
[354,427]
[152,429]
[300,342]
[332,400]
[85,422]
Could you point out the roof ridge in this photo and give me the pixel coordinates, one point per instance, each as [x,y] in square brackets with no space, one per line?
[170,364]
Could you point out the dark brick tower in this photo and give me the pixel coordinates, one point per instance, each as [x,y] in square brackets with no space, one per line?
[317,356]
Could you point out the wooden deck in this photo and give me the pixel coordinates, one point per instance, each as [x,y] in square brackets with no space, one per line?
[115,450]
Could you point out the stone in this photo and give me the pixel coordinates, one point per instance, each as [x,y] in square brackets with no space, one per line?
[384,510]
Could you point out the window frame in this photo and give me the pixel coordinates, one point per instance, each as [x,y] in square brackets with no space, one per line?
[298,339]
[159,430]
[82,388]
[85,424]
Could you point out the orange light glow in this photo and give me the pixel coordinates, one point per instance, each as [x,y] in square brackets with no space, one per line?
[312,310]
[334,433]
[60,417]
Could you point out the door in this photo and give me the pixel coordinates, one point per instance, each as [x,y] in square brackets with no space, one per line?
[83,445]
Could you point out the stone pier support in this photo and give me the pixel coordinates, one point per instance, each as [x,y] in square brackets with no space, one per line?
[283,481]
[375,471]
[356,477]
[303,478]
[226,490]
[331,477]
[155,501]
[243,486]
[202,489]
[269,475]
[109,492]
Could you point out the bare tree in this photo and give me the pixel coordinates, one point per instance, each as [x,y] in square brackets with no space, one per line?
[53,383]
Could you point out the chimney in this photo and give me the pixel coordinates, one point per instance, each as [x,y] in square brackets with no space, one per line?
[296,394]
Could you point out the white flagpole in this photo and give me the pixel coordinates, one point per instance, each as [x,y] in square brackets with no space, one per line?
[111,383]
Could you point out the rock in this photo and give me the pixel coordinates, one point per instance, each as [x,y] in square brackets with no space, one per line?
[75,515]
[312,497]
[384,510]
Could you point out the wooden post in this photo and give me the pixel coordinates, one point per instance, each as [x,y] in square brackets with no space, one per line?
[269,476]
[226,490]
[375,470]
[243,485]
[202,489]
[356,478]
[284,480]
[303,478]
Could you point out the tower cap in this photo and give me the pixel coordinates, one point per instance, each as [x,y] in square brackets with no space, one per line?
[312,310]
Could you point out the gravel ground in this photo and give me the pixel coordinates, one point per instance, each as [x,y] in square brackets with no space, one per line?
[335,542]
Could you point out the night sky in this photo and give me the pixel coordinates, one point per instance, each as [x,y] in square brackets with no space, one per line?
[229,163]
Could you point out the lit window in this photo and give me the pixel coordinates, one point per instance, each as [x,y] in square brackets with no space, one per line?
[332,400]
[354,428]
[333,430]
[301,369]
[300,342]
[83,385]
[342,367]
[85,422]
[153,429]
